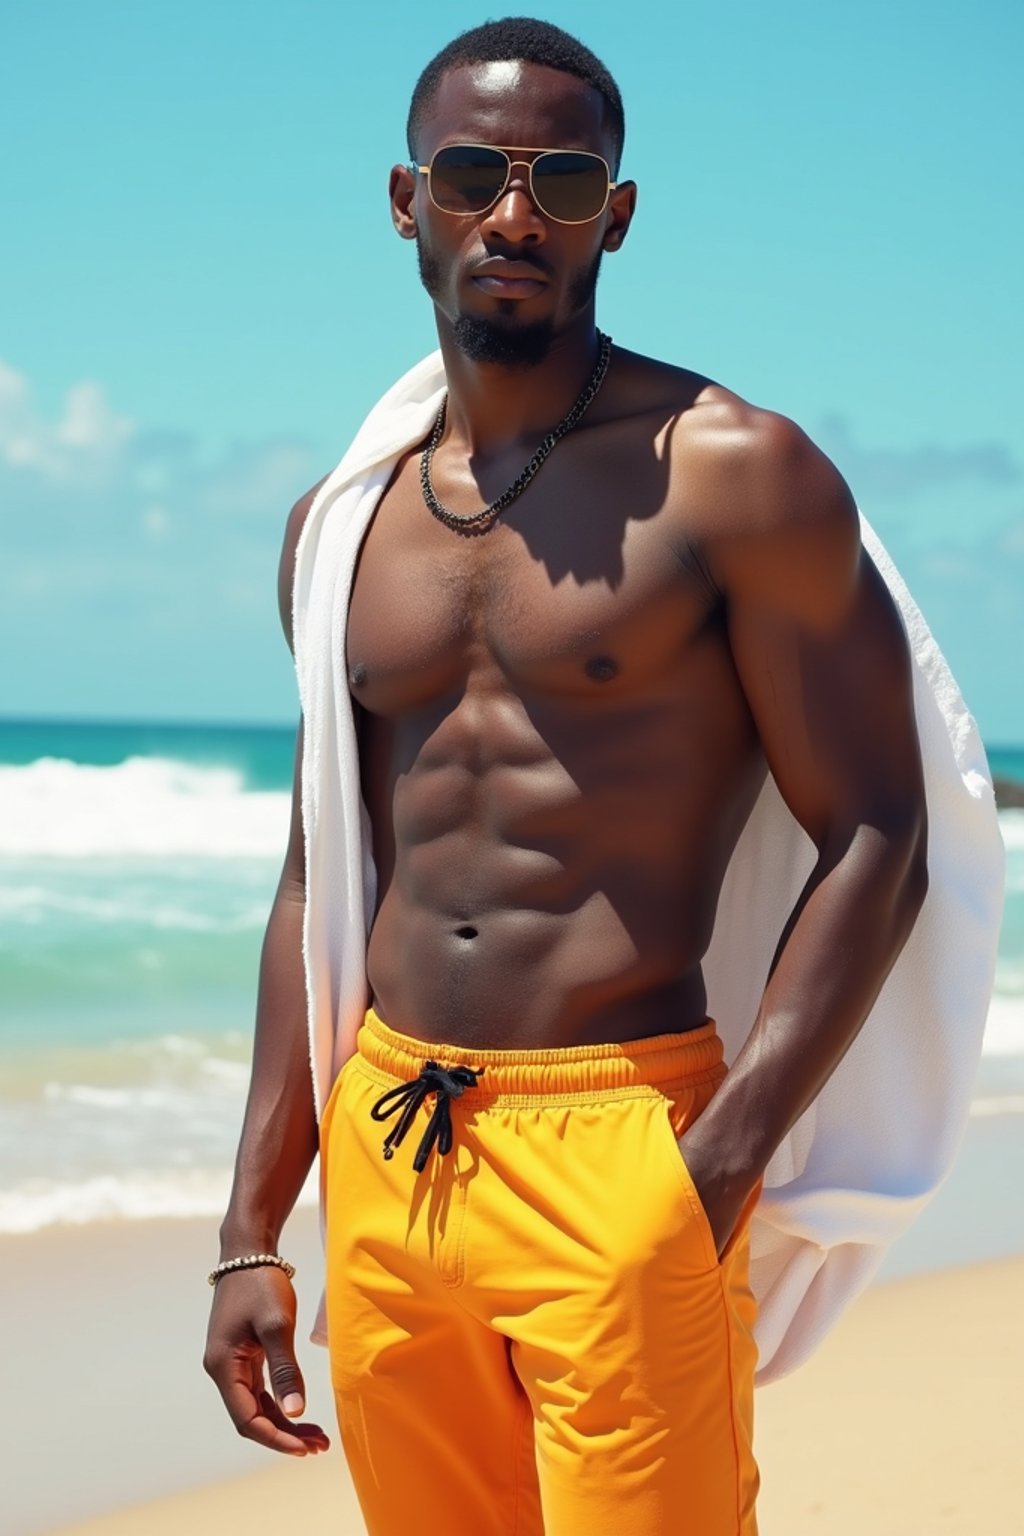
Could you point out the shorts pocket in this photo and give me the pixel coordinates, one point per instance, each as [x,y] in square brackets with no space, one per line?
[667,1115]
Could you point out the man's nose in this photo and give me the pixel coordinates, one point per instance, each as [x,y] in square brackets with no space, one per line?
[515,216]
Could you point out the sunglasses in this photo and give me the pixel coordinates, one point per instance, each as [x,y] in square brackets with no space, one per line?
[570,186]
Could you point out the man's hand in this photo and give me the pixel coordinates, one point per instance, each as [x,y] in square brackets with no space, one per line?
[253,1324]
[722,1196]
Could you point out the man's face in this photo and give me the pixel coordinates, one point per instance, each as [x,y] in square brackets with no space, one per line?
[512,316]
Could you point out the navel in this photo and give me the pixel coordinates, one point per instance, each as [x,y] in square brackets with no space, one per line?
[602,668]
[466,932]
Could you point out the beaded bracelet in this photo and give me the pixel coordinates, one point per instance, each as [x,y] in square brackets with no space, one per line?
[250,1261]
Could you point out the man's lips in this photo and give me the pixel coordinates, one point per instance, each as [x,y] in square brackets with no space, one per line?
[509,279]
[510,287]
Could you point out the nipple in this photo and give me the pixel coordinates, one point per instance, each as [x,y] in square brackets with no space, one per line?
[601,668]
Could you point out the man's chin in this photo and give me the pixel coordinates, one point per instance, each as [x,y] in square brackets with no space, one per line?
[501,339]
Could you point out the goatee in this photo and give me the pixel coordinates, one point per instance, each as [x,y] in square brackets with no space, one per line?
[497,338]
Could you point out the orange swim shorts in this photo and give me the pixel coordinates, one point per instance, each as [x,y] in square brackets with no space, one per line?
[530,1331]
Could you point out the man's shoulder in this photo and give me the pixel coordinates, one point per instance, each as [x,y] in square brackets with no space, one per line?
[759,469]
[300,511]
[779,473]
[286,569]
[716,420]
[748,486]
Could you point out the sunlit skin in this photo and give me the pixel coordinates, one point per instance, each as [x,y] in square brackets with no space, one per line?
[565,722]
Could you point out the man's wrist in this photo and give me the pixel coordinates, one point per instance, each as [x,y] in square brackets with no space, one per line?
[242,1237]
[728,1144]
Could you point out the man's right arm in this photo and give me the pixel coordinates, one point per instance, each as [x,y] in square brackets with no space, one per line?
[252,1323]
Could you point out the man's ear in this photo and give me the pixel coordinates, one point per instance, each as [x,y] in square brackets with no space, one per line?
[402,193]
[621,208]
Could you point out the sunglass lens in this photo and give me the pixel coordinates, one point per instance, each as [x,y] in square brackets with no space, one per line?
[466,178]
[570,186]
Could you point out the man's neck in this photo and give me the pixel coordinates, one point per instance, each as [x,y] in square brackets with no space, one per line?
[492,407]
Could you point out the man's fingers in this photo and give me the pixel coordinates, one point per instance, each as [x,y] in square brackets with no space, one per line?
[283,1369]
[248,1418]
[259,1419]
[311,1435]
[239,1379]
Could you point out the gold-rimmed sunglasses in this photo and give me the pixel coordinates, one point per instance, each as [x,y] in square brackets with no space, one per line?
[570,186]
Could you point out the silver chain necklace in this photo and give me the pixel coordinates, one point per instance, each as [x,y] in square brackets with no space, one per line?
[483,521]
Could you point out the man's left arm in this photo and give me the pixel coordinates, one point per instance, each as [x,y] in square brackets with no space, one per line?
[822,658]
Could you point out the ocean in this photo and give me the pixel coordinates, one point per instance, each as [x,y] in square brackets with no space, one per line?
[138,863]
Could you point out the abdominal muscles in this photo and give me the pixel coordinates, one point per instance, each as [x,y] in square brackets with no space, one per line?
[548,869]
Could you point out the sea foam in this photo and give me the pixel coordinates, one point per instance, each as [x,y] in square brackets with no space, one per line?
[40,1203]
[34,903]
[148,806]
[1011,825]
[1004,1027]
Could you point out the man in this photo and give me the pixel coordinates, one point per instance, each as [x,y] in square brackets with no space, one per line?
[573,664]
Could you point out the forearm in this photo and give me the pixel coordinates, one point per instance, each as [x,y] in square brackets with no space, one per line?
[853,918]
[279,1134]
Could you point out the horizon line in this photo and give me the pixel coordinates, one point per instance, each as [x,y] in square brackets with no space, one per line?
[221,722]
[224,723]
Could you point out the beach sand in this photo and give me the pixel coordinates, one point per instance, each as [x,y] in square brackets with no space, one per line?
[907,1422]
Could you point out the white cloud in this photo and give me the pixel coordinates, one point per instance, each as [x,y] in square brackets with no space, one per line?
[140,564]
[89,423]
[86,440]
[155,522]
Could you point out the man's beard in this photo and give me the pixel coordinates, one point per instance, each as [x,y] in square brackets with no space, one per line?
[493,339]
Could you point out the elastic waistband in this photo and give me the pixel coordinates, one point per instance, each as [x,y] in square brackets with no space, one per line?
[556,1074]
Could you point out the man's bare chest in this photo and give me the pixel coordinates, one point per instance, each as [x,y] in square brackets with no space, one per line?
[579,587]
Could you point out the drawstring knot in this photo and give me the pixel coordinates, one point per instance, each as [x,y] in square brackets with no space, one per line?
[408,1097]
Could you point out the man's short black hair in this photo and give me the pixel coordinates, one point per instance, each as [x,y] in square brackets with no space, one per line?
[513,39]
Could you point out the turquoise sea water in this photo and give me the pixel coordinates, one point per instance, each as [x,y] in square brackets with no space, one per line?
[137,867]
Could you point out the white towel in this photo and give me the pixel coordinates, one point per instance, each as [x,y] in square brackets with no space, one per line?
[876,1143]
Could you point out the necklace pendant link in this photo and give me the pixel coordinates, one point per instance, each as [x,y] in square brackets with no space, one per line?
[483,521]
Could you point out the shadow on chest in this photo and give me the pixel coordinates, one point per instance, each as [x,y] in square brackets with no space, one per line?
[431,607]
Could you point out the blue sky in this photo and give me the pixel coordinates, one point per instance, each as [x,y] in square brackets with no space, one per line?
[202,294]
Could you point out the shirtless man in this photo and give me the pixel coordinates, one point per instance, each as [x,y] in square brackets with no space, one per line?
[564,722]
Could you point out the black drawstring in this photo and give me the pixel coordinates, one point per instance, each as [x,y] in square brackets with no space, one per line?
[447,1085]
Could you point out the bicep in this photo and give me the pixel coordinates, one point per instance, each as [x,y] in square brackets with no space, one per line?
[823,661]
